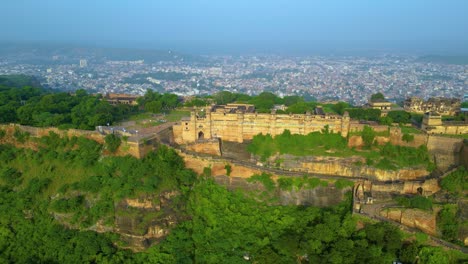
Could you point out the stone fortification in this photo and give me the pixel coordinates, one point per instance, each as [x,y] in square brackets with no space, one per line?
[445,151]
[414,218]
[444,106]
[240,122]
[432,124]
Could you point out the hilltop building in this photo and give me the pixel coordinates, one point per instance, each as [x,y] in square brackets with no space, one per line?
[115,99]
[239,122]
[443,106]
[432,124]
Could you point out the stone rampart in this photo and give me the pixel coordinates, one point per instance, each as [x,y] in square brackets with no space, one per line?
[445,151]
[414,218]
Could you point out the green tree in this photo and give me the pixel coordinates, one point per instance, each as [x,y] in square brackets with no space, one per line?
[112,142]
[377,97]
[368,136]
[224,97]
[154,106]
[340,107]
[385,120]
[407,137]
[448,222]
[400,116]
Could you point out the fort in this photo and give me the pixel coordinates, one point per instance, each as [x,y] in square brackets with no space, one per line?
[432,124]
[239,122]
[443,106]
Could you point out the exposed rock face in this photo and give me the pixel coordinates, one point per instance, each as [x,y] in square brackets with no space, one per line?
[414,218]
[348,167]
[319,196]
[144,203]
[210,147]
[144,221]
[427,187]
[355,142]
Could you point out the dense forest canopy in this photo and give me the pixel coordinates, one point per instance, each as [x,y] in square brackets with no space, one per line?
[38,107]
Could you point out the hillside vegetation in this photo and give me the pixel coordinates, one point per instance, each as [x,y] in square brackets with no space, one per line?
[72,178]
[325,143]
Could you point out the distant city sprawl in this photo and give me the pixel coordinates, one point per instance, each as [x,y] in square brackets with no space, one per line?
[350,79]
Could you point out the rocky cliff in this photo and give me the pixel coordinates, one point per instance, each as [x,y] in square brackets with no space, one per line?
[347,167]
[145,221]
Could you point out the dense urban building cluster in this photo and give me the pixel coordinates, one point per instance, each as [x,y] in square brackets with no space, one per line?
[350,79]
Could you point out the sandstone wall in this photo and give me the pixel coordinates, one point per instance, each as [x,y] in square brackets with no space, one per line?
[395,138]
[414,218]
[217,166]
[449,129]
[134,148]
[445,151]
[238,127]
[44,131]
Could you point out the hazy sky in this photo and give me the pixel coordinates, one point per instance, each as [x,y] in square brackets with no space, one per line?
[204,26]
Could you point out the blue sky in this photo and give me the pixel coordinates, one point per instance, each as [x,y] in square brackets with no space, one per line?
[244,26]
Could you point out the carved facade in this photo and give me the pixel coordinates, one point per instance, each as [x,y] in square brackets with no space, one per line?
[239,122]
[443,106]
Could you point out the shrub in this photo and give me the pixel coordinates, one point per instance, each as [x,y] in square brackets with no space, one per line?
[112,142]
[418,202]
[456,182]
[285,184]
[228,168]
[20,136]
[343,183]
[368,135]
[448,223]
[407,137]
[265,179]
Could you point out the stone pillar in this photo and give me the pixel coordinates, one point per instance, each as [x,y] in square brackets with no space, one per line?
[345,122]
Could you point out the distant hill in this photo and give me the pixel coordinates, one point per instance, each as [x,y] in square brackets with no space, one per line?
[43,53]
[459,60]
[19,80]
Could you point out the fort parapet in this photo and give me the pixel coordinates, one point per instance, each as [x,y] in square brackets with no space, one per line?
[239,122]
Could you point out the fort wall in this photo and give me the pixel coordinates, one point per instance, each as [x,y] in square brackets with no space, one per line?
[240,126]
